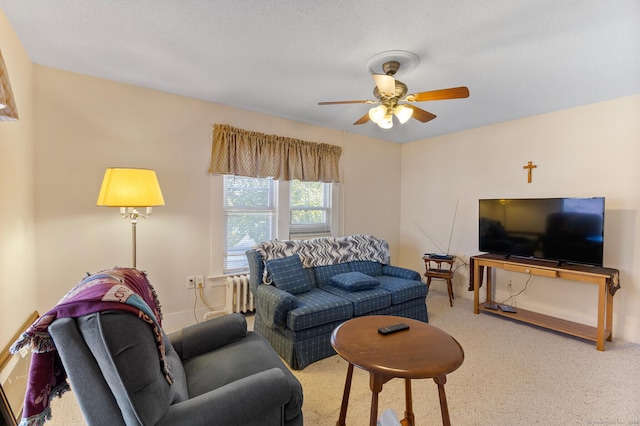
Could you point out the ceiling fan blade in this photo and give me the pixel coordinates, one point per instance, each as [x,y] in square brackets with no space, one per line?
[420,114]
[362,119]
[348,102]
[439,95]
[386,84]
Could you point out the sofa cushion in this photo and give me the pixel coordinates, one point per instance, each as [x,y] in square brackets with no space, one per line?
[289,275]
[414,308]
[310,333]
[402,289]
[317,307]
[366,267]
[363,301]
[354,281]
[323,274]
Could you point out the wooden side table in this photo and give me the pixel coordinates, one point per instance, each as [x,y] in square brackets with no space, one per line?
[607,280]
[422,352]
[440,268]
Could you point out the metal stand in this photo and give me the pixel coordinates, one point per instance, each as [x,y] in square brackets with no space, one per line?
[133,214]
[134,222]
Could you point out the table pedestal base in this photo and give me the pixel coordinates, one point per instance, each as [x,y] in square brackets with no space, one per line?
[376,382]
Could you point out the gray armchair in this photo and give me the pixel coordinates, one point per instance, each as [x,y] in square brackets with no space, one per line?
[222,374]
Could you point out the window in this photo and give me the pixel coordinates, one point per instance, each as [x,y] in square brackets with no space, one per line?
[250,216]
[254,212]
[310,209]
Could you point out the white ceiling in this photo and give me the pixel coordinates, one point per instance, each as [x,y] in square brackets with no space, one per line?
[518,58]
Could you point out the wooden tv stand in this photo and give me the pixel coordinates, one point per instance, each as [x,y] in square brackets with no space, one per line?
[606,279]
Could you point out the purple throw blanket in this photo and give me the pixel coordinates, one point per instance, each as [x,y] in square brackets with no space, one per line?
[122,289]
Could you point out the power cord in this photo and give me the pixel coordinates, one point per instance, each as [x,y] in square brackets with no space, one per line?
[195,303]
[462,264]
[511,296]
[203,299]
[198,292]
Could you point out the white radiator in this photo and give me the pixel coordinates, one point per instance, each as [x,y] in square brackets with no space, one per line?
[239,296]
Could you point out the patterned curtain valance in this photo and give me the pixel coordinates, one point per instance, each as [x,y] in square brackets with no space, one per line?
[244,153]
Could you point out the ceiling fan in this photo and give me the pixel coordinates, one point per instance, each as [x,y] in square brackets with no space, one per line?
[390,92]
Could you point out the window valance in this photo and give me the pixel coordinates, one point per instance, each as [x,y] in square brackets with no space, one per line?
[252,154]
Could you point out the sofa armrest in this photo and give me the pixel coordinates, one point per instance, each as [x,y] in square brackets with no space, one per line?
[256,269]
[398,272]
[258,399]
[208,335]
[273,305]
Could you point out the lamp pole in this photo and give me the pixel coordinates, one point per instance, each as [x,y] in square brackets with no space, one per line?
[133,214]
[134,222]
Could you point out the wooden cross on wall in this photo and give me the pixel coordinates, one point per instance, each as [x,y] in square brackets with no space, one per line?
[529,166]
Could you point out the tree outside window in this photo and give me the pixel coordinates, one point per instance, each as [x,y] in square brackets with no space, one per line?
[252,212]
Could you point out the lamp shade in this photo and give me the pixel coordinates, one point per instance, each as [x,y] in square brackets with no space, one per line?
[377,113]
[123,187]
[8,110]
[386,122]
[403,113]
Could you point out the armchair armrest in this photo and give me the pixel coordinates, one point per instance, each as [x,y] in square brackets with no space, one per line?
[253,400]
[273,305]
[398,272]
[208,335]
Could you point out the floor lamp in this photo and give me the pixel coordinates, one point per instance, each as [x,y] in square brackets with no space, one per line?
[131,189]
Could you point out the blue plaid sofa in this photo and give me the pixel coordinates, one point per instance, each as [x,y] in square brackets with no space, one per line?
[304,289]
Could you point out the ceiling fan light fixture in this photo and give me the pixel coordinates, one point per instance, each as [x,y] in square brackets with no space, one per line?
[376,114]
[386,122]
[403,113]
[388,91]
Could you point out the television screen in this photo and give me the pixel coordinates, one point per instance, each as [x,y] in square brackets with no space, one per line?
[561,229]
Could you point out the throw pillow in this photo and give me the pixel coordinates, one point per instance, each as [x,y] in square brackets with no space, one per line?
[289,275]
[354,281]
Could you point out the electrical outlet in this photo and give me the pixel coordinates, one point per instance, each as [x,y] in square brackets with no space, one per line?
[509,286]
[199,281]
[191,282]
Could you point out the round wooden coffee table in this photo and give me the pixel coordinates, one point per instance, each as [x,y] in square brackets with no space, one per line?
[422,352]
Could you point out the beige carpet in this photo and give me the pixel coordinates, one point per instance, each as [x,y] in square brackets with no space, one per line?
[513,374]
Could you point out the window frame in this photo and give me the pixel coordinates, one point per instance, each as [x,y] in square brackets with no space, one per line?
[283,228]
[270,209]
[301,231]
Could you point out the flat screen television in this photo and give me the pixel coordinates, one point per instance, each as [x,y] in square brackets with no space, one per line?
[559,229]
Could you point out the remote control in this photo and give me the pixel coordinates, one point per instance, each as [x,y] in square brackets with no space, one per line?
[392,328]
[507,308]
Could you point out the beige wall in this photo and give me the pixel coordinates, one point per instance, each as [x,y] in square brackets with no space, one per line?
[581,152]
[17,238]
[87,124]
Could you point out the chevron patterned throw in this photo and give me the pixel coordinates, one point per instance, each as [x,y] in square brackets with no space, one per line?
[327,250]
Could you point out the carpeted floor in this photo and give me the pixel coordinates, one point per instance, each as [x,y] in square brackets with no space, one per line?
[513,374]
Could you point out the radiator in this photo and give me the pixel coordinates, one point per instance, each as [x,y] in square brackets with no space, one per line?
[239,296]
